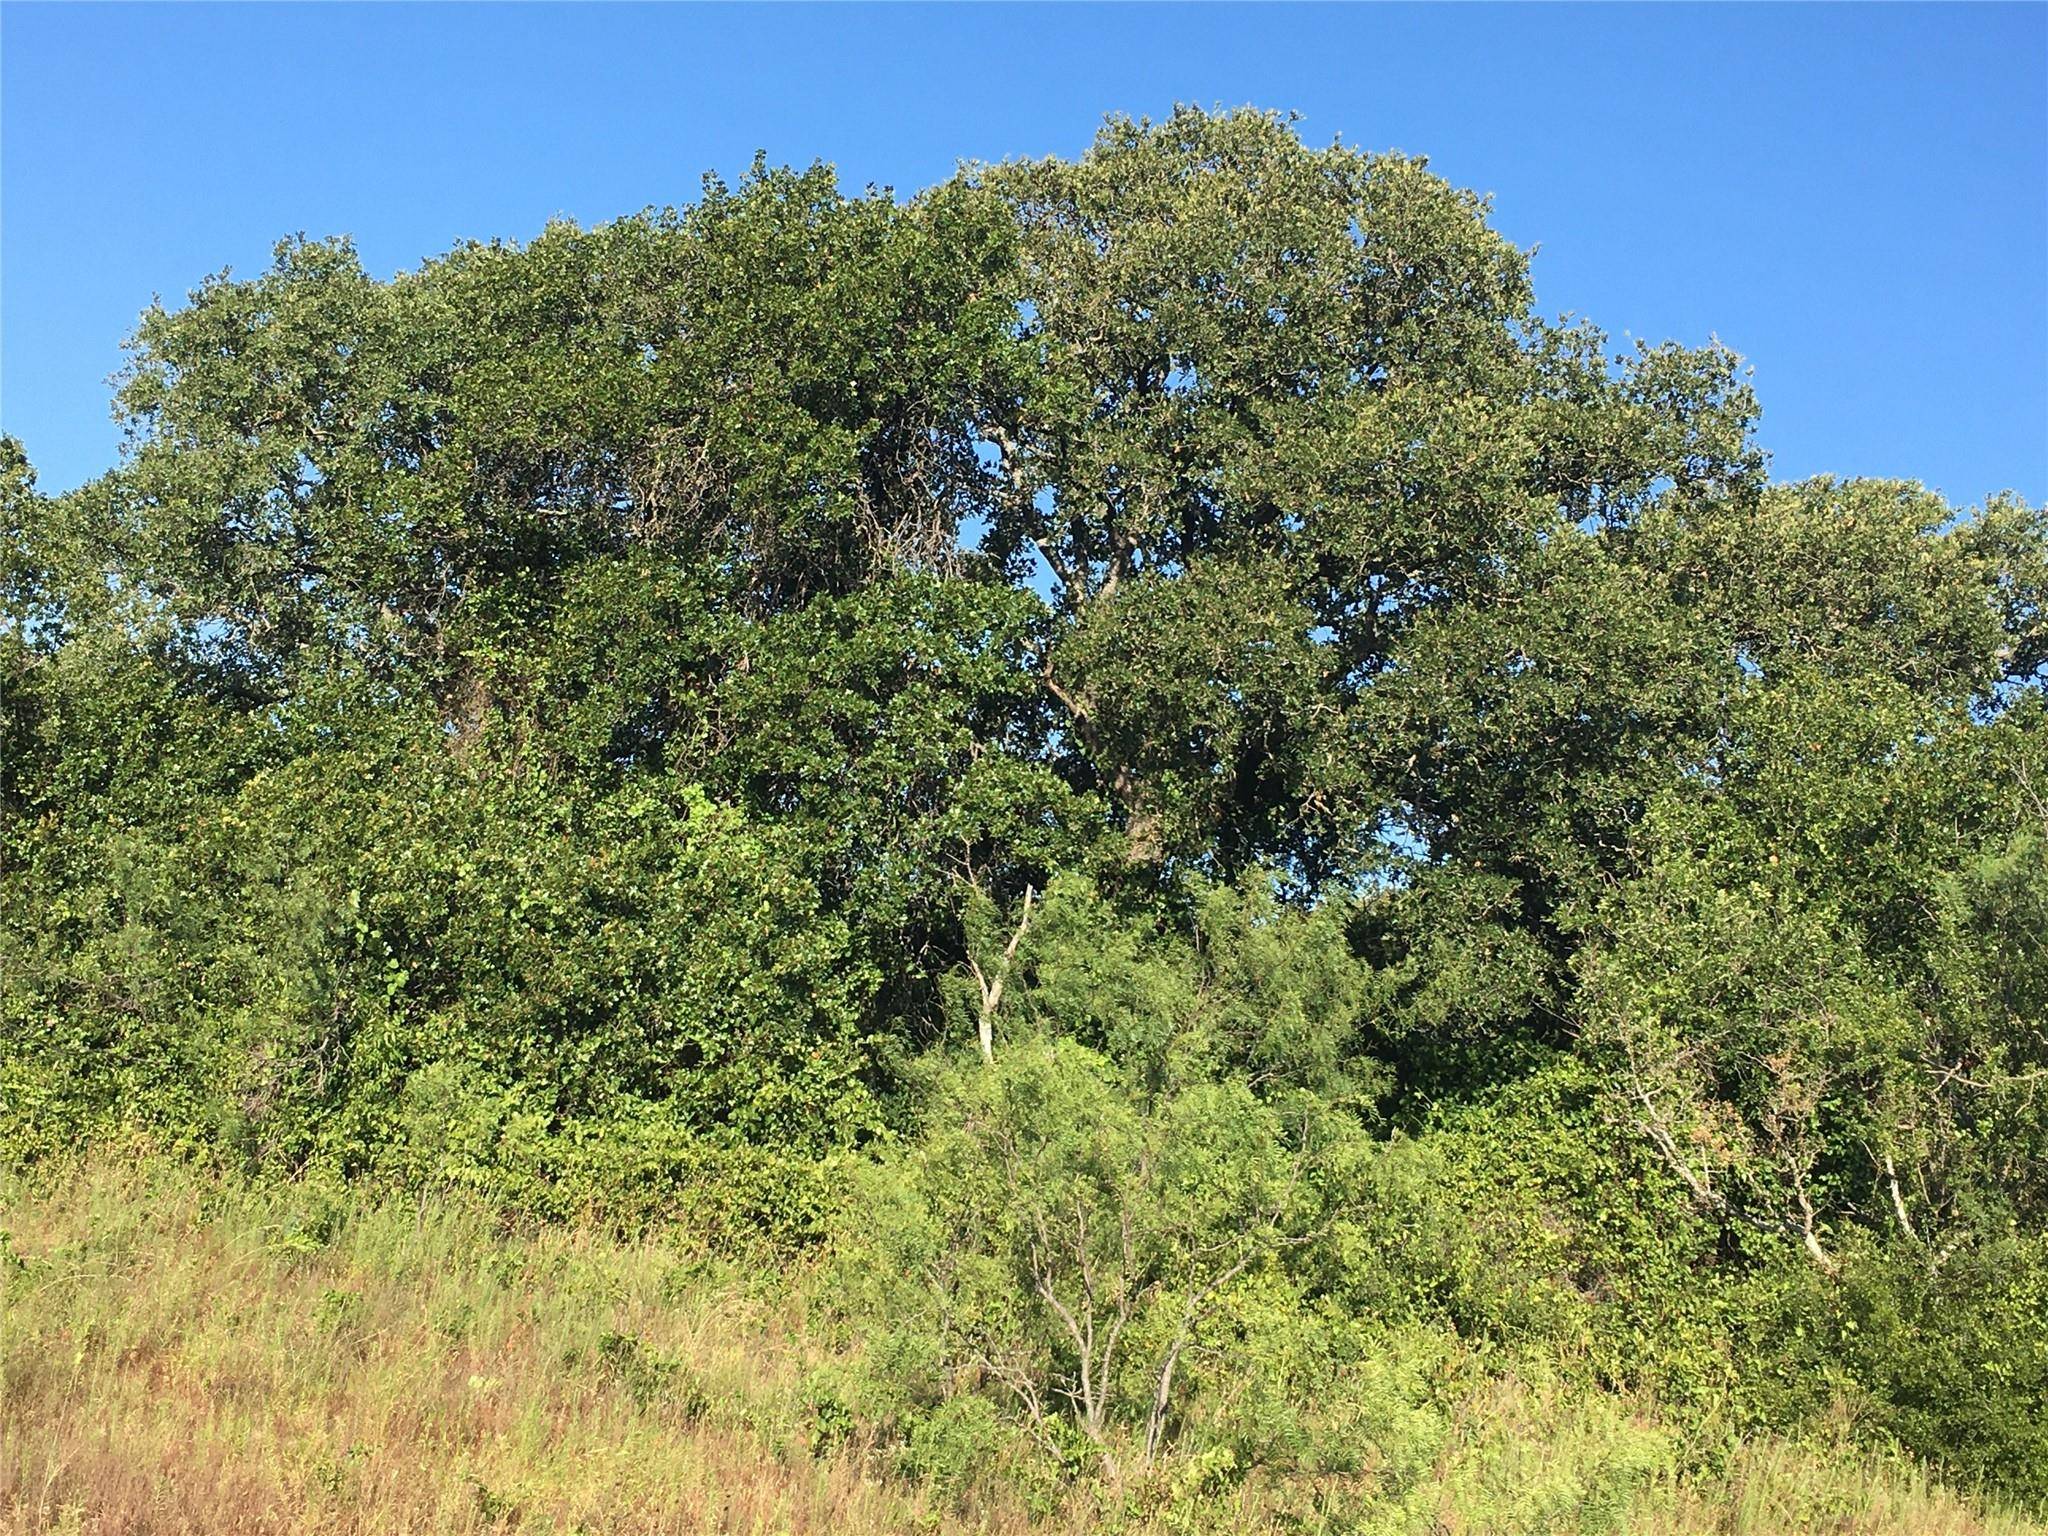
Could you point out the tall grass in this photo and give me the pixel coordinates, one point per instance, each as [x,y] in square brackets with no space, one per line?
[188,1354]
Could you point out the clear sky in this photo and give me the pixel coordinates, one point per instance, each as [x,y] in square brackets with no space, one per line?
[1855,198]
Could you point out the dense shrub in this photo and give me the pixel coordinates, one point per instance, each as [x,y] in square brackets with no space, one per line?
[1138,738]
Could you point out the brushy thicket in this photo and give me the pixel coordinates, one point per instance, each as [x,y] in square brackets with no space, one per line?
[1134,752]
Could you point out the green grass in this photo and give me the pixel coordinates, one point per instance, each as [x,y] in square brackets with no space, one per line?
[183,1353]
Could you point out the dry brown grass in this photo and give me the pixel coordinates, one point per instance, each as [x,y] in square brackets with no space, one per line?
[174,1368]
[185,1356]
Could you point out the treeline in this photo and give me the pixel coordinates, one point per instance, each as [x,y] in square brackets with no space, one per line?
[1144,724]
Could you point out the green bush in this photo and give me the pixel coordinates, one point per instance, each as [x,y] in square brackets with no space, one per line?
[1237,818]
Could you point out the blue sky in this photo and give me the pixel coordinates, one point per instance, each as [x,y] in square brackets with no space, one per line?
[1855,198]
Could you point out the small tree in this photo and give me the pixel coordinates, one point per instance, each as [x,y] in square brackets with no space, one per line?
[1061,1241]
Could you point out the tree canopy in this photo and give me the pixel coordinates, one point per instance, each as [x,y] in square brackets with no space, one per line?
[574,717]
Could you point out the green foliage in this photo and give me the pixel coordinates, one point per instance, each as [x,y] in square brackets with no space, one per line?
[449,975]
[1065,1239]
[1243,818]
[1946,1354]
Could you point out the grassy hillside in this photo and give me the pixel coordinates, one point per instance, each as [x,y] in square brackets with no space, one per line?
[186,1354]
